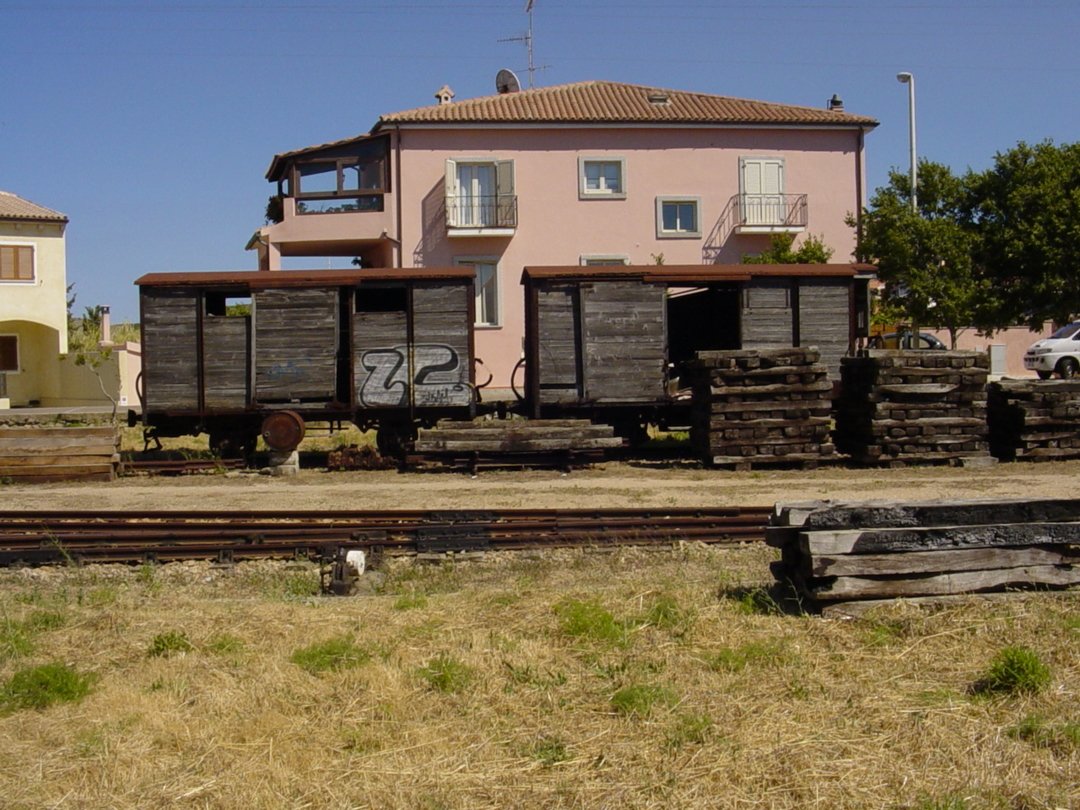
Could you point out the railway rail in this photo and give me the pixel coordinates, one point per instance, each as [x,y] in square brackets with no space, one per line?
[44,538]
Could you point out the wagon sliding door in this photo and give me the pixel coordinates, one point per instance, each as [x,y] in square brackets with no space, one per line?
[822,306]
[623,352]
[441,352]
[171,371]
[296,345]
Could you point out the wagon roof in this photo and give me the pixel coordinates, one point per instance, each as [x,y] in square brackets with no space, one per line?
[695,273]
[261,279]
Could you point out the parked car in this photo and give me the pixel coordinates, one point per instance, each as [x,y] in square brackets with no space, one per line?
[902,340]
[1058,353]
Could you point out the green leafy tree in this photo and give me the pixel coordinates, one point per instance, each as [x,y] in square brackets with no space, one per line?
[1027,209]
[813,250]
[926,258]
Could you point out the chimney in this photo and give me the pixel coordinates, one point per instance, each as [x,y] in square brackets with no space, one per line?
[836,104]
[445,95]
[106,327]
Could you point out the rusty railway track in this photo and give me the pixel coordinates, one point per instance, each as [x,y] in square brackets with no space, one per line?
[44,538]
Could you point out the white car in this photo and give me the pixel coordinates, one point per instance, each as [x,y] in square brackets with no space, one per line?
[1060,352]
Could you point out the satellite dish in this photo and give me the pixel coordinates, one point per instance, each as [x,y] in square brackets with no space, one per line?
[507,82]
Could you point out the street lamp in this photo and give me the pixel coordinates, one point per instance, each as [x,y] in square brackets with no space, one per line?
[909,80]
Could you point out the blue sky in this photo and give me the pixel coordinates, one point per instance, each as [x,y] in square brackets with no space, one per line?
[151,124]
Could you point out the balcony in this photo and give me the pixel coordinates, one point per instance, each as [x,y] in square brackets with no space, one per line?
[769,213]
[481,215]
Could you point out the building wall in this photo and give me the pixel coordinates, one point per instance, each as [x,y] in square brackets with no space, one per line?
[43,300]
[38,377]
[555,227]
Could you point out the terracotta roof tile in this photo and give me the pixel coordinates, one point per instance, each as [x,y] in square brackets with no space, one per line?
[15,207]
[613,102]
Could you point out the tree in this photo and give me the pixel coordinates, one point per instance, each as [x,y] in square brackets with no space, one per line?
[926,258]
[812,251]
[1027,210]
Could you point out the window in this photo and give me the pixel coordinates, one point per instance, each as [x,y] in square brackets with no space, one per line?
[677,217]
[485,287]
[16,262]
[480,194]
[598,260]
[602,178]
[341,184]
[9,353]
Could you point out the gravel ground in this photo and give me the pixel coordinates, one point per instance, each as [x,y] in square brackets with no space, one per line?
[609,485]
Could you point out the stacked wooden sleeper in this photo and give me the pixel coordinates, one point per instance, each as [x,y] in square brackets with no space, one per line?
[761,406]
[917,406]
[1034,419]
[839,552]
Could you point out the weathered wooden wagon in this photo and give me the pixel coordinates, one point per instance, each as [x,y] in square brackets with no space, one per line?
[239,354]
[612,340]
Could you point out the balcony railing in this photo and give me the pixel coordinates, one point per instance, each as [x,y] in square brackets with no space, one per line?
[481,211]
[769,213]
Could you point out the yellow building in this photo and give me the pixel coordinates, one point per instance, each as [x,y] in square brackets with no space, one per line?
[33,306]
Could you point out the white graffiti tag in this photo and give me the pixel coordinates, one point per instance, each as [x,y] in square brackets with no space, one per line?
[438,377]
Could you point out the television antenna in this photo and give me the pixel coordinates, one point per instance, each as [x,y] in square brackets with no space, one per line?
[527,38]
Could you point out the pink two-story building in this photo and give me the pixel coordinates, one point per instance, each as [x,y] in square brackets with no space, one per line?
[586,173]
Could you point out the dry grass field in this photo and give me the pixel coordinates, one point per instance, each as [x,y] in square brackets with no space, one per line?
[572,679]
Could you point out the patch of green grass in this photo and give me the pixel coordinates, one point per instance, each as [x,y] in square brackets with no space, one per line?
[528,675]
[550,750]
[410,601]
[885,630]
[951,801]
[1072,623]
[334,655]
[770,652]
[689,729]
[638,700]
[666,614]
[445,673]
[1014,670]
[592,621]
[169,643]
[224,644]
[754,602]
[1061,738]
[17,637]
[42,686]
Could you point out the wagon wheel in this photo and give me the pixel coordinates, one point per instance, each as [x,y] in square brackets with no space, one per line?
[283,431]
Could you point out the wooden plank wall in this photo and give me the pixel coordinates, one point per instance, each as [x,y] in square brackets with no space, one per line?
[824,319]
[442,361]
[767,314]
[296,337]
[380,362]
[558,331]
[170,349]
[624,336]
[35,454]
[226,373]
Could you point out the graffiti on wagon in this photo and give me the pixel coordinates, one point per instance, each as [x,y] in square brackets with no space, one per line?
[438,377]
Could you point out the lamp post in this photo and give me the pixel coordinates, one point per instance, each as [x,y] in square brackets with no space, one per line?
[909,80]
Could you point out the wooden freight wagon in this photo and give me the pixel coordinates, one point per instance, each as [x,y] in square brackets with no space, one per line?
[242,353]
[613,339]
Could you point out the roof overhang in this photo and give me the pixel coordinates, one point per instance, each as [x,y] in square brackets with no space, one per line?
[280,279]
[673,274]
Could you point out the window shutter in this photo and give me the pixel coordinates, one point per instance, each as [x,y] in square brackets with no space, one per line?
[450,185]
[504,190]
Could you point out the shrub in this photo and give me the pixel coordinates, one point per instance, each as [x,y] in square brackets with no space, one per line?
[165,644]
[638,699]
[42,686]
[334,654]
[446,674]
[1015,670]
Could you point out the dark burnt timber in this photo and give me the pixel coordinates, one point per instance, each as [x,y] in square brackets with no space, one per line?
[37,538]
[840,552]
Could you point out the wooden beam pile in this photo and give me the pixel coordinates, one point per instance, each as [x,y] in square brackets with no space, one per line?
[502,442]
[873,551]
[912,406]
[40,454]
[1034,419]
[761,407]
